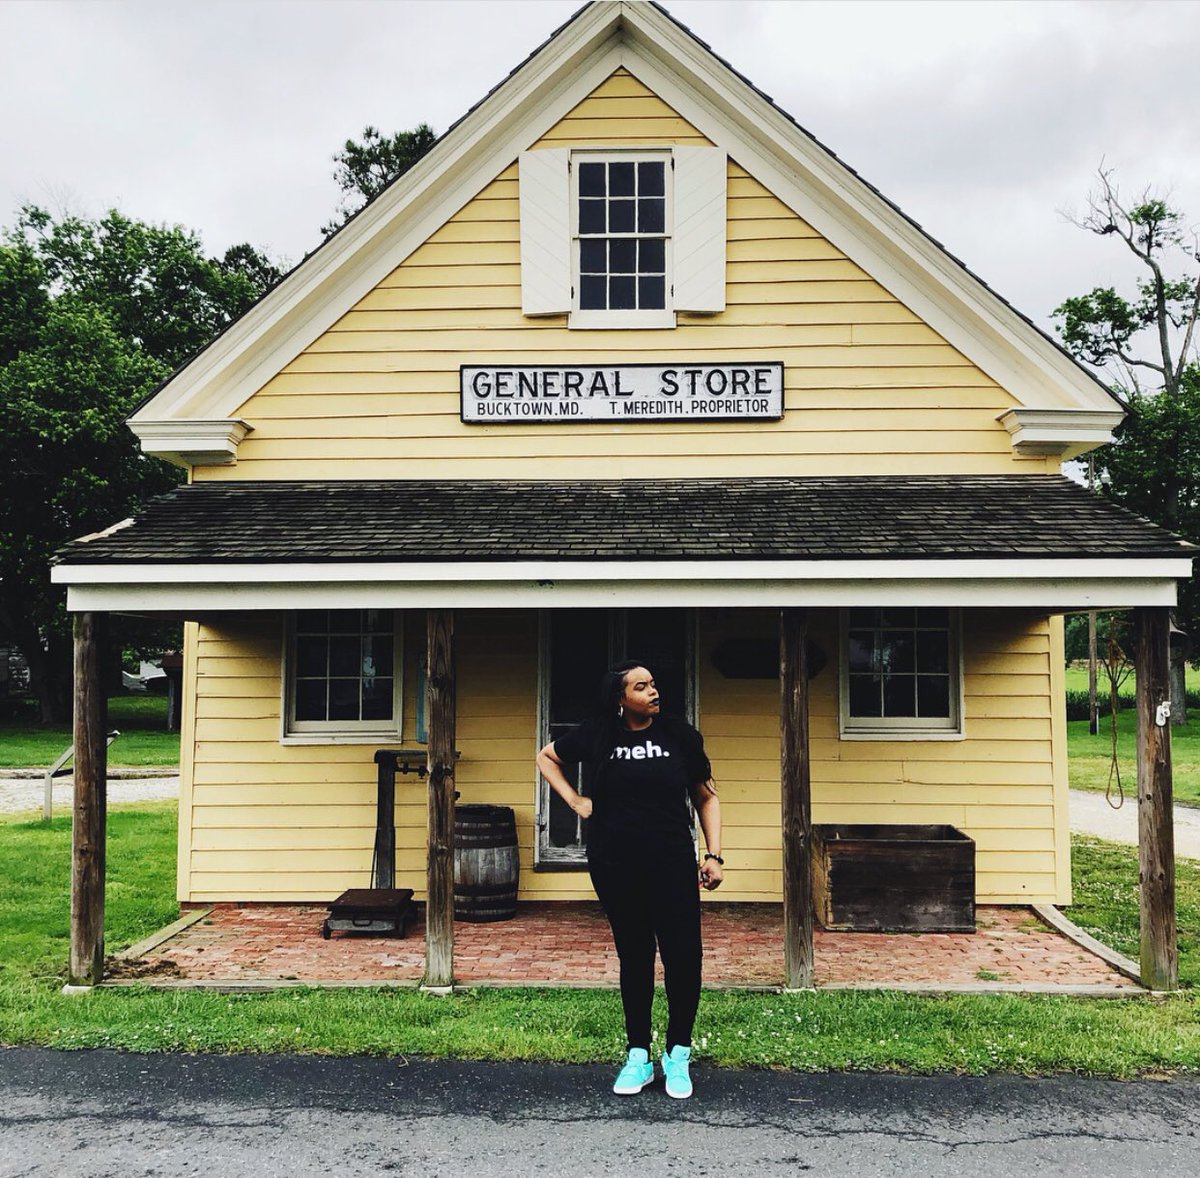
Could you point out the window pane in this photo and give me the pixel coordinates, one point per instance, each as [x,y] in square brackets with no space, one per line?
[651,178]
[652,256]
[311,653]
[593,292]
[864,695]
[376,656]
[621,293]
[933,695]
[312,621]
[579,653]
[345,654]
[620,216]
[933,616]
[593,256]
[897,617]
[622,255]
[652,293]
[933,651]
[864,617]
[343,699]
[344,621]
[377,699]
[620,179]
[591,216]
[591,179]
[898,652]
[899,695]
[310,699]
[651,216]
[862,652]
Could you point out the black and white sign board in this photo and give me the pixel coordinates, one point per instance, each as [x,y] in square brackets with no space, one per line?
[623,392]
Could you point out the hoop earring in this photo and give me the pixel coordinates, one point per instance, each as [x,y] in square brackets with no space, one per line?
[620,710]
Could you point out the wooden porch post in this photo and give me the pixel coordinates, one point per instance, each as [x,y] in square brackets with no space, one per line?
[796,801]
[1156,830]
[90,805]
[439,906]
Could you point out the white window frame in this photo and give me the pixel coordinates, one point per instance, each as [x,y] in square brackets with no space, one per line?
[622,319]
[903,727]
[339,731]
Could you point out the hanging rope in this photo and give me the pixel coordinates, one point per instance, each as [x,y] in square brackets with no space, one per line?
[1112,666]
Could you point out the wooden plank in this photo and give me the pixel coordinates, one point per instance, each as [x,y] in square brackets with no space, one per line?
[795,801]
[439,914]
[88,826]
[1156,832]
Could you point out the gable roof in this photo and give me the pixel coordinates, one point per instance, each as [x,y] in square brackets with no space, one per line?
[643,39]
[871,518]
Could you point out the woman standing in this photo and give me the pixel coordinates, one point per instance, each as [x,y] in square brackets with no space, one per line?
[642,857]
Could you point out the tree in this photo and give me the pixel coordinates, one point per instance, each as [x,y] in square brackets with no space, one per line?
[1147,345]
[93,316]
[365,169]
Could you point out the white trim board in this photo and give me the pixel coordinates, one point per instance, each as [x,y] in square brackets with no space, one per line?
[1048,594]
[668,573]
[730,113]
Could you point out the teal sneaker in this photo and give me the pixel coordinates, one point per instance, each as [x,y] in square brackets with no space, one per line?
[637,1073]
[675,1069]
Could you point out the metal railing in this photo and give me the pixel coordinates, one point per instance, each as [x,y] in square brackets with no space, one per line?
[58,770]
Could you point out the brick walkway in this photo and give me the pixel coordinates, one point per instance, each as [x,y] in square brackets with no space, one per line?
[569,944]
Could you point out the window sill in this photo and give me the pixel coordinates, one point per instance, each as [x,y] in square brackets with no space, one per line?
[561,865]
[620,320]
[389,737]
[904,734]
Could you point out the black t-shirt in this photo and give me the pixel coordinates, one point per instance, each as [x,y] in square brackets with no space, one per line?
[640,793]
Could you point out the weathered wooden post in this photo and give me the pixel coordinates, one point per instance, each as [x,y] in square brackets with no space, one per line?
[439,904]
[1156,830]
[796,801]
[90,805]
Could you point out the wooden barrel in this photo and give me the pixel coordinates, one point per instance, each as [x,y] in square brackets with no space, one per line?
[486,865]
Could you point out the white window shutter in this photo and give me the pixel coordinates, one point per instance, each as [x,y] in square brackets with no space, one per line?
[699,229]
[545,188]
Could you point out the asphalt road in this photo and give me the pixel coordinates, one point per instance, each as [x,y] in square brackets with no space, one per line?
[99,1113]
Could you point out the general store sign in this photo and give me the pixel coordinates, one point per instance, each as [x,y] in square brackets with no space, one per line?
[625,392]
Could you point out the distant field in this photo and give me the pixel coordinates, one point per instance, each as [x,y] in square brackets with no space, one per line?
[144,740]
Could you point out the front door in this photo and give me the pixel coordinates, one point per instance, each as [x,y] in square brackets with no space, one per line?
[577,646]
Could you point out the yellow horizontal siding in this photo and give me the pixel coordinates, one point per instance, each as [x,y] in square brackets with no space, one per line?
[273,821]
[377,394]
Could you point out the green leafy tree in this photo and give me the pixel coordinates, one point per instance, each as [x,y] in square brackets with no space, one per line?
[1144,342]
[364,169]
[93,316]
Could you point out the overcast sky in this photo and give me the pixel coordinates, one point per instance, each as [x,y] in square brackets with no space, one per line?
[981,120]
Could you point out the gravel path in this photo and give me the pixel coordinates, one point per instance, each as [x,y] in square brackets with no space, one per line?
[21,794]
[1091,814]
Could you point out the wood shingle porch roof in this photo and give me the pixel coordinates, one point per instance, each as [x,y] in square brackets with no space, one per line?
[802,519]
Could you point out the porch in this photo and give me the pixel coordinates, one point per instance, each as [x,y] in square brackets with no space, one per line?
[253,947]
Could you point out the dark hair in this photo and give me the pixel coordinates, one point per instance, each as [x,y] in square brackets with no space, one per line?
[608,721]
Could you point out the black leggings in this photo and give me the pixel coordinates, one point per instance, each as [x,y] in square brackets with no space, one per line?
[656,898]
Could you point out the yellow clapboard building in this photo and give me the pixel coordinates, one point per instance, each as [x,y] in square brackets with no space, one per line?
[627,365]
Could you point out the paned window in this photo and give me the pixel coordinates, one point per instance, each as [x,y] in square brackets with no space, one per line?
[343,667]
[900,671]
[623,235]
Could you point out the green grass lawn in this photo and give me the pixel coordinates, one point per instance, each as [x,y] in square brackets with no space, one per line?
[1090,756]
[141,720]
[1077,680]
[823,1031]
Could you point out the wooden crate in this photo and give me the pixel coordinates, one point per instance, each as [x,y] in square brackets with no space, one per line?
[893,878]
